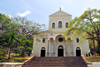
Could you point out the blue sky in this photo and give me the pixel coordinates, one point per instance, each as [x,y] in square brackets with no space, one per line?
[39,10]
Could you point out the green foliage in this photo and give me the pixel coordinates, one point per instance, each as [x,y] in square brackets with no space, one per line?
[83,25]
[12,60]
[93,59]
[37,39]
[24,44]
[35,32]
[92,47]
[2,54]
[25,37]
[26,54]
[19,60]
[17,34]
[17,54]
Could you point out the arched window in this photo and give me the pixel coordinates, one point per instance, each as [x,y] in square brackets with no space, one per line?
[77,40]
[43,48]
[53,25]
[66,25]
[78,48]
[43,40]
[60,47]
[60,24]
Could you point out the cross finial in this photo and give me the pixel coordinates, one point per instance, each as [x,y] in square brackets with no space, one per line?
[60,8]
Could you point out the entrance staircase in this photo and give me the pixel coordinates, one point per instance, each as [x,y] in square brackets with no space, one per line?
[55,62]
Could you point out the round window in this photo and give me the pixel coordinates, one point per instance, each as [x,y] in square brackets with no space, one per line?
[60,39]
[43,40]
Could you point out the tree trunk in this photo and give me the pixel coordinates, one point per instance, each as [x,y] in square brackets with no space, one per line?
[0,57]
[94,48]
[22,54]
[9,51]
[98,40]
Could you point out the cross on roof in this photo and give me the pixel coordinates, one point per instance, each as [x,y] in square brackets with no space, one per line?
[60,8]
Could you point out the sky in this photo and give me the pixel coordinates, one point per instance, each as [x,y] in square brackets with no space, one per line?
[39,10]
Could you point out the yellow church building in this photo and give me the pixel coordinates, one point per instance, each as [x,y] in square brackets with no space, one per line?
[50,43]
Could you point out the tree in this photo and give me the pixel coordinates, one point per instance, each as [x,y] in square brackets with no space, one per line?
[27,26]
[2,52]
[17,32]
[84,25]
[7,36]
[25,35]
[4,22]
[8,30]
[91,46]
[24,46]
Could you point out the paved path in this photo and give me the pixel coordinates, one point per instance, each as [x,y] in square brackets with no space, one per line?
[9,64]
[94,64]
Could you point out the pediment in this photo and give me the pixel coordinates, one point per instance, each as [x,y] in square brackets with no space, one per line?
[60,13]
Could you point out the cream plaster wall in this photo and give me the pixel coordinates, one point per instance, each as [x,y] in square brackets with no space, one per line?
[59,16]
[56,17]
[38,45]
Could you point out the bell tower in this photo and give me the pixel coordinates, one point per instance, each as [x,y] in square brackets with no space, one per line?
[58,21]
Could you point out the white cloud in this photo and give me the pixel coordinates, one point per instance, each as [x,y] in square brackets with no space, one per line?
[24,14]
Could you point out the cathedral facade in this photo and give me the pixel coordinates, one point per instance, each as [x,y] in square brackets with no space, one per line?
[50,43]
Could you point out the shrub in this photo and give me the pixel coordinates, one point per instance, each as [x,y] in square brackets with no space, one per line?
[19,59]
[2,54]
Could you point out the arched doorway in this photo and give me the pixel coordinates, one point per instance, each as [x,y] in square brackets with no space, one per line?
[43,52]
[60,51]
[78,51]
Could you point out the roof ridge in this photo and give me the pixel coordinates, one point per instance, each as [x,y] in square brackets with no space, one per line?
[59,11]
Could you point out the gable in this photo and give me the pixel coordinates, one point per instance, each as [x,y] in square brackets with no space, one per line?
[60,13]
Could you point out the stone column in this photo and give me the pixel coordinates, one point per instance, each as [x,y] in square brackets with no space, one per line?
[72,53]
[48,50]
[54,49]
[66,52]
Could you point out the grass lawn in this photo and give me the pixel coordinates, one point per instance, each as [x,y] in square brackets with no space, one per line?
[93,59]
[14,59]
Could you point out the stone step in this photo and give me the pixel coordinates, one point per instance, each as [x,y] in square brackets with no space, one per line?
[54,66]
[57,58]
[56,62]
